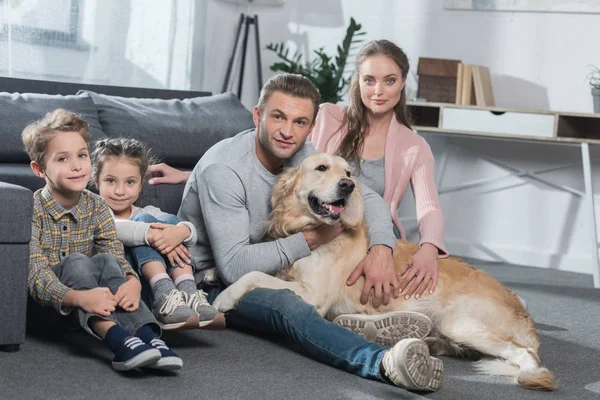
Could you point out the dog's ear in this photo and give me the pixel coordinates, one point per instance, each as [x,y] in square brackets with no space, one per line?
[283,186]
[352,215]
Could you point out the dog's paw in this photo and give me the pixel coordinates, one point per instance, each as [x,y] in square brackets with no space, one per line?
[224,302]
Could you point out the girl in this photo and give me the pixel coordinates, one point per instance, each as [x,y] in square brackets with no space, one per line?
[154,241]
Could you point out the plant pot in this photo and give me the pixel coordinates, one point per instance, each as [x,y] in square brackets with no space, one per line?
[596,95]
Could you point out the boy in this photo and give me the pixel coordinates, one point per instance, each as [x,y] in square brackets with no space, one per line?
[70,224]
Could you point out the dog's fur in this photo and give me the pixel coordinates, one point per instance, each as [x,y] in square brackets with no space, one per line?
[472,313]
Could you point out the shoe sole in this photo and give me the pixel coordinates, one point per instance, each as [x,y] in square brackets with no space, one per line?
[167,364]
[141,360]
[387,329]
[215,324]
[419,370]
[191,323]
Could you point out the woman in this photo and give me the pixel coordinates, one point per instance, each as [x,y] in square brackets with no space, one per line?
[373,134]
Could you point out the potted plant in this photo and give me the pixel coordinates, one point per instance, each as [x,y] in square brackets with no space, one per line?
[594,79]
[326,72]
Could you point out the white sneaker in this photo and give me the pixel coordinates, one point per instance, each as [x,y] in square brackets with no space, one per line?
[389,328]
[408,365]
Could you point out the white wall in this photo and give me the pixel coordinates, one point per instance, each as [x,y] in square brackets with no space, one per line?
[537,61]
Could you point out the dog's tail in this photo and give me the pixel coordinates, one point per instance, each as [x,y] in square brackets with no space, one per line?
[536,379]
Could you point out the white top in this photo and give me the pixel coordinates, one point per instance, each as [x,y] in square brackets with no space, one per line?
[134,233]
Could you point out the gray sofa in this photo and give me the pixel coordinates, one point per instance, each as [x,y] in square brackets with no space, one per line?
[179,126]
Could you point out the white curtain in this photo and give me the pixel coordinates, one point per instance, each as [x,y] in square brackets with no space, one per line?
[143,43]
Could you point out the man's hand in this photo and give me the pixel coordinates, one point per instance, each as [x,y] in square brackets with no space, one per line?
[167,237]
[421,273]
[128,294]
[321,235]
[96,301]
[380,274]
[166,174]
[180,256]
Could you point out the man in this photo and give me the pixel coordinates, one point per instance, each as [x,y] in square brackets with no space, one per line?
[227,198]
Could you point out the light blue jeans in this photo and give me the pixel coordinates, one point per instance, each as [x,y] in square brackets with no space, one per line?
[286,314]
[140,255]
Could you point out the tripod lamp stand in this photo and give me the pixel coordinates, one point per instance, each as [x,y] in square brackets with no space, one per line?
[245,21]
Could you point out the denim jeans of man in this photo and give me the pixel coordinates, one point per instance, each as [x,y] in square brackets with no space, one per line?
[140,255]
[81,272]
[283,313]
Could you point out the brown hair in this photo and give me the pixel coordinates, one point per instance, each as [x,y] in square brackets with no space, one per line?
[37,135]
[355,118]
[291,84]
[132,149]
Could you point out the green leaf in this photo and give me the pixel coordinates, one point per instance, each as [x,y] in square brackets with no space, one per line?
[327,72]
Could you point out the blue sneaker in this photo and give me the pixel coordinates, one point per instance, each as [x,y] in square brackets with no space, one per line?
[134,353]
[168,360]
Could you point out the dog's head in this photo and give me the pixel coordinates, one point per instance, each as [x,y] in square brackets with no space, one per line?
[321,190]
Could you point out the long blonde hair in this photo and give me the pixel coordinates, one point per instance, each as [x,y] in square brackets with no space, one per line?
[355,117]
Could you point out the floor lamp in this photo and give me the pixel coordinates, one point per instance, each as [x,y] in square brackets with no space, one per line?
[245,22]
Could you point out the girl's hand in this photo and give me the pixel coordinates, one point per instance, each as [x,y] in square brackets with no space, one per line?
[128,294]
[169,236]
[422,272]
[180,256]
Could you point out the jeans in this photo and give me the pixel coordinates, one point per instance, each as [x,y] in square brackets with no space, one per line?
[286,314]
[140,255]
[81,272]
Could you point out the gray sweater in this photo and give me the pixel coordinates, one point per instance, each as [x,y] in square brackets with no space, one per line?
[228,199]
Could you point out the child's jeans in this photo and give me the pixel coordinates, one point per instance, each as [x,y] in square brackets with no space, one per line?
[140,255]
[81,272]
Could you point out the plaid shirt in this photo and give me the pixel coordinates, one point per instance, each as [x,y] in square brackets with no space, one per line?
[56,233]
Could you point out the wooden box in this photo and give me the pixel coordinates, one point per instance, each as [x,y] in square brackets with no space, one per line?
[437,79]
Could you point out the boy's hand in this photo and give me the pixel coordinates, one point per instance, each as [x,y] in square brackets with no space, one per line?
[169,236]
[97,301]
[180,256]
[128,294]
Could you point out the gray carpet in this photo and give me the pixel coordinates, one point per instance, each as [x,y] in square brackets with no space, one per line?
[234,365]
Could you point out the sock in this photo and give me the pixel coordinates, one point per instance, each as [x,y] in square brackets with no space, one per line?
[157,278]
[146,333]
[115,337]
[186,283]
[162,288]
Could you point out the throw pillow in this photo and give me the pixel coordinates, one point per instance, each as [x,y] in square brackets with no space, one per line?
[177,131]
[17,110]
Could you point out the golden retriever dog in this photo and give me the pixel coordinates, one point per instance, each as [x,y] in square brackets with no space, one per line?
[472,313]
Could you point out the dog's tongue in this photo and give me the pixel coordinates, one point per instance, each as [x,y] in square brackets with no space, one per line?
[336,209]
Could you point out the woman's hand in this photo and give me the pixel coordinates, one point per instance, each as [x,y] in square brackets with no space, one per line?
[421,273]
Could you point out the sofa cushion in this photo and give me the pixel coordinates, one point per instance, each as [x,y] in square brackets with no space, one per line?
[22,175]
[19,110]
[177,131]
[15,214]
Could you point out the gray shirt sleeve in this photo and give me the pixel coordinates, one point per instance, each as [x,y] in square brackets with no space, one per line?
[227,222]
[378,219]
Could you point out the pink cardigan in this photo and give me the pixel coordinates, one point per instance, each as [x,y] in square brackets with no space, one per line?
[408,157]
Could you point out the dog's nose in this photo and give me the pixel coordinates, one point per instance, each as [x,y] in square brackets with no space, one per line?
[347,185]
